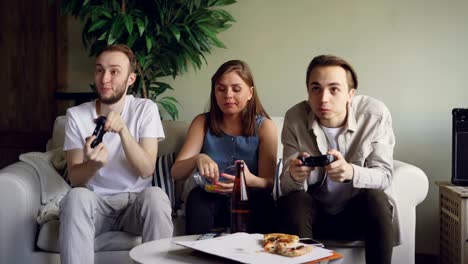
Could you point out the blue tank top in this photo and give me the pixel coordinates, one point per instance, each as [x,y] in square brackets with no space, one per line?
[225,149]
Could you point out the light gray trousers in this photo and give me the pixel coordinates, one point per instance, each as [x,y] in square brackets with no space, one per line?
[85,215]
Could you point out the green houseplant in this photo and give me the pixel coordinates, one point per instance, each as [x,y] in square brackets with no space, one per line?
[167,36]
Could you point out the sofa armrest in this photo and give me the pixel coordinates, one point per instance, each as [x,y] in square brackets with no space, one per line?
[409,188]
[19,202]
[410,183]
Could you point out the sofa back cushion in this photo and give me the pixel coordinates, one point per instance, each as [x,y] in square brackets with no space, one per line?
[162,176]
[175,135]
[278,120]
[58,134]
[167,151]
[174,130]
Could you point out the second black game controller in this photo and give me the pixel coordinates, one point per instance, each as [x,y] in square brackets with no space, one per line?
[99,131]
[319,161]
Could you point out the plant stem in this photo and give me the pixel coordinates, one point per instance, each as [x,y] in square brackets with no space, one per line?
[123,6]
[143,88]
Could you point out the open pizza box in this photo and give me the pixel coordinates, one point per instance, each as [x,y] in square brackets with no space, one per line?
[248,248]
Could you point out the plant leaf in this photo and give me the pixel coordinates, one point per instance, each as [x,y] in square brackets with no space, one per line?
[103,36]
[160,86]
[141,58]
[141,26]
[212,36]
[196,4]
[97,25]
[193,57]
[170,98]
[106,13]
[224,15]
[169,107]
[115,5]
[131,39]
[128,23]
[175,32]
[221,2]
[147,63]
[149,43]
[115,31]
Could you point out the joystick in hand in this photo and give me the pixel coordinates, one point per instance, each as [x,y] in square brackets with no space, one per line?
[99,131]
[319,161]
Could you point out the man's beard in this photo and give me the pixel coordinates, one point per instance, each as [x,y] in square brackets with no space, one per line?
[114,98]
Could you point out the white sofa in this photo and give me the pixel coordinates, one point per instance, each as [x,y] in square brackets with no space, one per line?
[22,241]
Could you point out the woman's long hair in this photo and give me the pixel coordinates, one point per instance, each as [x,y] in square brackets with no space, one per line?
[252,109]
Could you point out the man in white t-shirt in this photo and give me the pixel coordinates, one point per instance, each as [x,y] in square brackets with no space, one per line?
[112,181]
[343,200]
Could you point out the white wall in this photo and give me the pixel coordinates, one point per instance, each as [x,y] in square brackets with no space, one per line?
[413,55]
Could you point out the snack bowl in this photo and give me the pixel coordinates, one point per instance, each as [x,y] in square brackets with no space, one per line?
[207,184]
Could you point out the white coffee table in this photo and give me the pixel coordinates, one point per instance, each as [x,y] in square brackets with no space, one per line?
[166,251]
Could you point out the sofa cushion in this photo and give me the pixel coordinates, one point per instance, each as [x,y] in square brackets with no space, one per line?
[276,186]
[175,136]
[278,121]
[48,239]
[58,133]
[48,236]
[162,176]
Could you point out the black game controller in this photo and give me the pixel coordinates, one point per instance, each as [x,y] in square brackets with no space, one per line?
[99,131]
[319,161]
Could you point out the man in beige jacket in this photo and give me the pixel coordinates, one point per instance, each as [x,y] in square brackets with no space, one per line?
[343,199]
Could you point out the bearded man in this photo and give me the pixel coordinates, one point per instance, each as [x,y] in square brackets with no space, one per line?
[112,180]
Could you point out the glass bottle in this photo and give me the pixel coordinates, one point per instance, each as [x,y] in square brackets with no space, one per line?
[240,209]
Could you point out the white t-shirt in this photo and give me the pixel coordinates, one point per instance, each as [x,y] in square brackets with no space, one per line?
[142,119]
[334,195]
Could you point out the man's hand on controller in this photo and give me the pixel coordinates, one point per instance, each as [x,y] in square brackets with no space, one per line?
[298,172]
[114,123]
[339,170]
[97,156]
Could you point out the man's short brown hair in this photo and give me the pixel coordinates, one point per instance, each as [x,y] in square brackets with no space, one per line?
[331,60]
[125,50]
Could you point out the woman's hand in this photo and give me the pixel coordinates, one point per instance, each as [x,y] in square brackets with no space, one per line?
[228,182]
[207,168]
[226,185]
[250,179]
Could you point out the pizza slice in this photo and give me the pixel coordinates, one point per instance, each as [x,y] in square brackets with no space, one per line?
[272,240]
[294,251]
